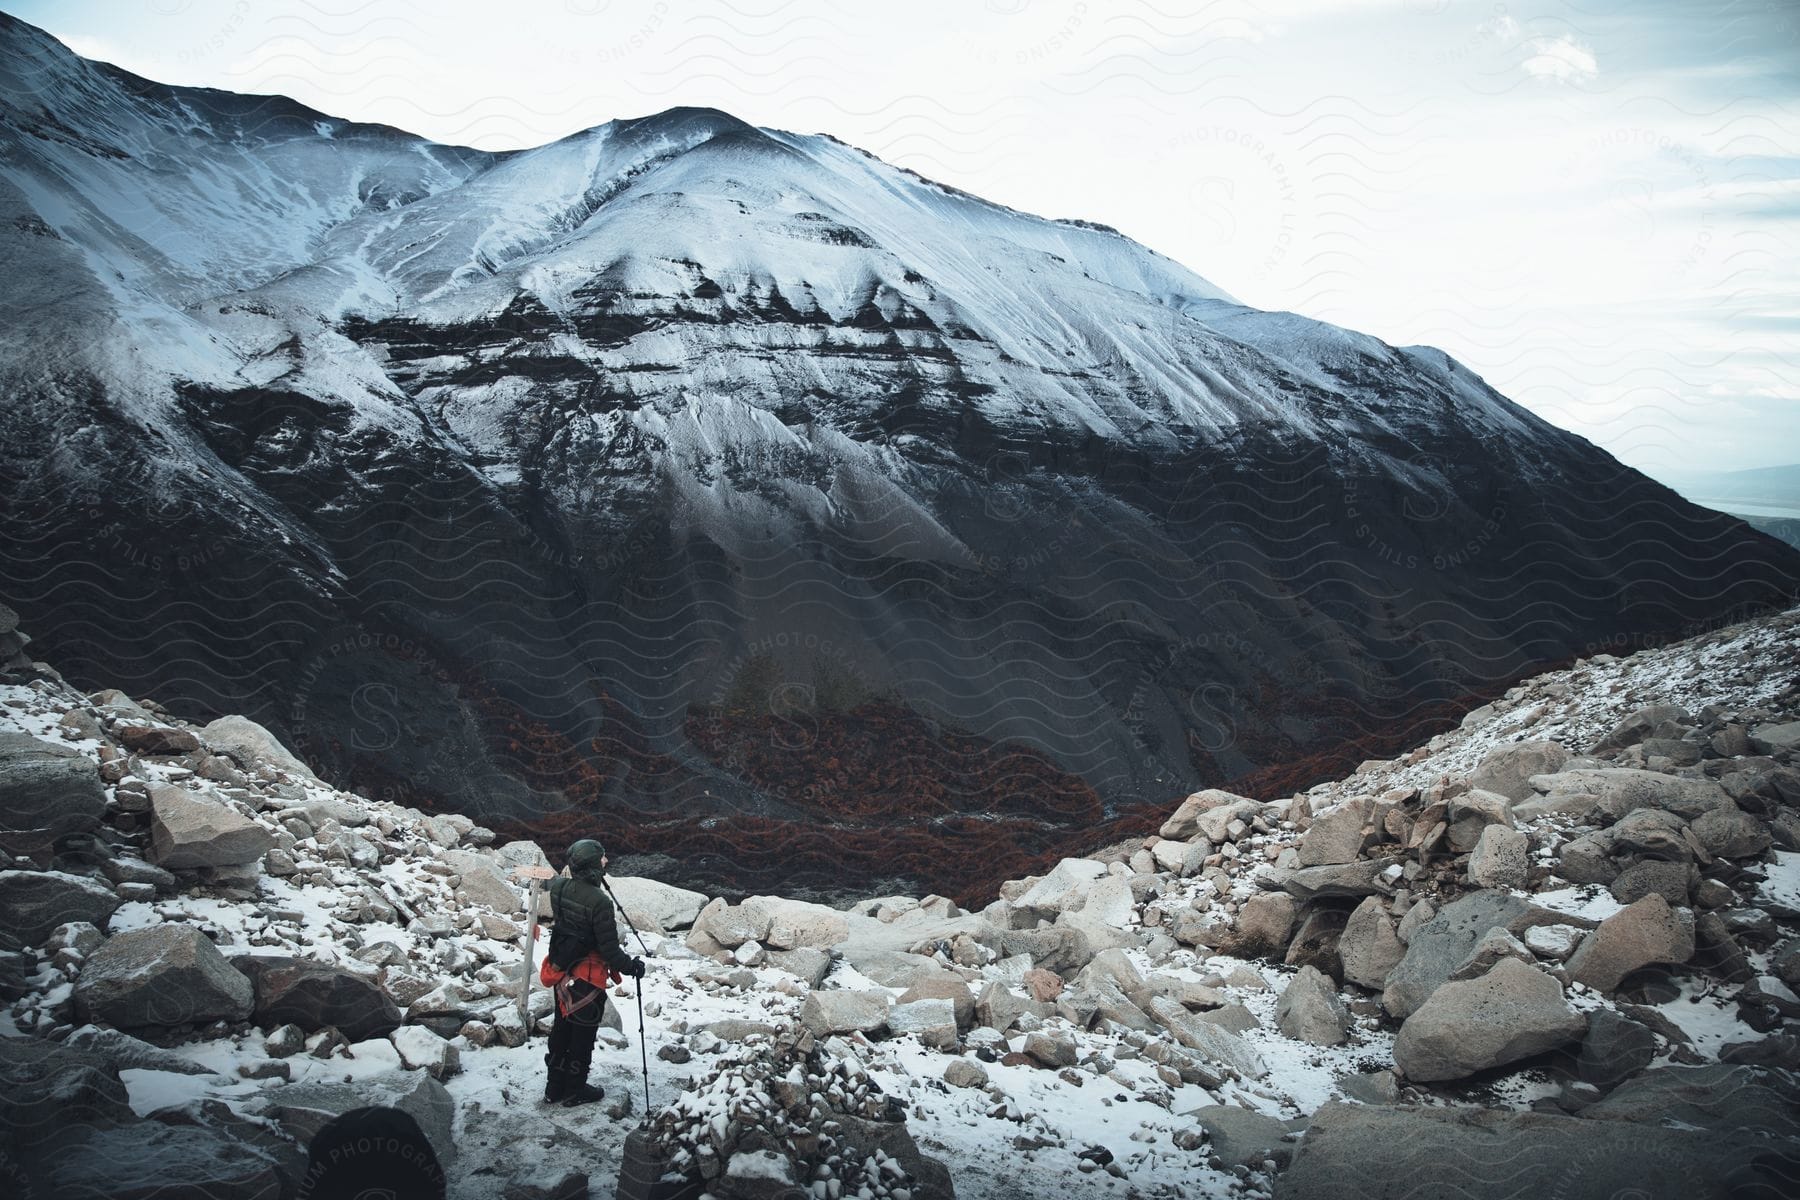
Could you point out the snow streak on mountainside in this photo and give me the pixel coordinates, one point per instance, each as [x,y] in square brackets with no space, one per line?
[683,468]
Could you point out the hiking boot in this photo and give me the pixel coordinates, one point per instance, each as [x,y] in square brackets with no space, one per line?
[556,1085]
[577,1092]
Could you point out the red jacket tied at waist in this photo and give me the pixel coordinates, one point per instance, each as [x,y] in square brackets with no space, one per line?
[591,969]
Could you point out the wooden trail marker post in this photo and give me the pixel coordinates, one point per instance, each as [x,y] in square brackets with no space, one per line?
[533,876]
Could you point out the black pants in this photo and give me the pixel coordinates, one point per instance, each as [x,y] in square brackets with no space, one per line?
[572,1036]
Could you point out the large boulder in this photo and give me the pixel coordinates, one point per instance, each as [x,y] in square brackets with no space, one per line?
[1507,770]
[1470,814]
[1613,1049]
[1381,1152]
[158,976]
[482,881]
[1361,878]
[1210,1041]
[943,985]
[844,1011]
[1716,1097]
[1185,822]
[50,1086]
[1260,928]
[155,741]
[1242,1137]
[1731,833]
[1437,947]
[32,903]
[794,924]
[1645,931]
[728,925]
[197,828]
[1656,720]
[312,995]
[250,744]
[150,1160]
[1066,881]
[302,1109]
[1368,947]
[47,791]
[663,905]
[1512,1012]
[1619,790]
[1501,858]
[1337,836]
[1309,1010]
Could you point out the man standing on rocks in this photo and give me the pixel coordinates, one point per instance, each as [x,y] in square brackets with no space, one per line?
[585,955]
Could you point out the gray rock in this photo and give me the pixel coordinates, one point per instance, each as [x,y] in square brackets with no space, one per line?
[252,745]
[1508,769]
[151,1159]
[1666,879]
[1337,836]
[122,1052]
[1240,1137]
[932,1021]
[1233,1018]
[1050,1049]
[1208,1040]
[1347,879]
[32,903]
[1653,832]
[1715,1098]
[313,995]
[1500,859]
[47,791]
[965,1073]
[1439,946]
[198,829]
[1587,860]
[546,1182]
[1471,813]
[1643,932]
[161,975]
[1657,720]
[1731,833]
[421,1049]
[1774,739]
[808,963]
[1494,945]
[51,1086]
[161,741]
[1370,1152]
[1512,1012]
[844,1011]
[1185,821]
[1261,927]
[665,906]
[1369,948]
[303,1109]
[1613,1048]
[998,1007]
[943,985]
[1620,790]
[1309,1010]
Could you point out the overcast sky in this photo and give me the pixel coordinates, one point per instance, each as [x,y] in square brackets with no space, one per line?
[1595,205]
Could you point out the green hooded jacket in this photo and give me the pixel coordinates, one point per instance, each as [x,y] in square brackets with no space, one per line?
[582,910]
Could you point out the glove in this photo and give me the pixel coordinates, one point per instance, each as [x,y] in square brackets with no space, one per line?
[636,969]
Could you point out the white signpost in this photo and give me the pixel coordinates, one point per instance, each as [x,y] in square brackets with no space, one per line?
[534,876]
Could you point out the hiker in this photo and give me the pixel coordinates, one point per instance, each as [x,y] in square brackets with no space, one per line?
[584,957]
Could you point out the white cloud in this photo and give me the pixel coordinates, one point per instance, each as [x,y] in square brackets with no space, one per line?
[1561,58]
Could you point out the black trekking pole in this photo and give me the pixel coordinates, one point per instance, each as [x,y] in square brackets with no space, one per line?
[643,1046]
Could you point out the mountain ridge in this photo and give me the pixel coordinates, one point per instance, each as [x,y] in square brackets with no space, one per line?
[546,456]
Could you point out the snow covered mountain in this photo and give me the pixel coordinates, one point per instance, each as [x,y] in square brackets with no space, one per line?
[682,468]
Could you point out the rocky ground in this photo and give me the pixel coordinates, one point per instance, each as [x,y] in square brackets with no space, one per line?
[1552,952]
